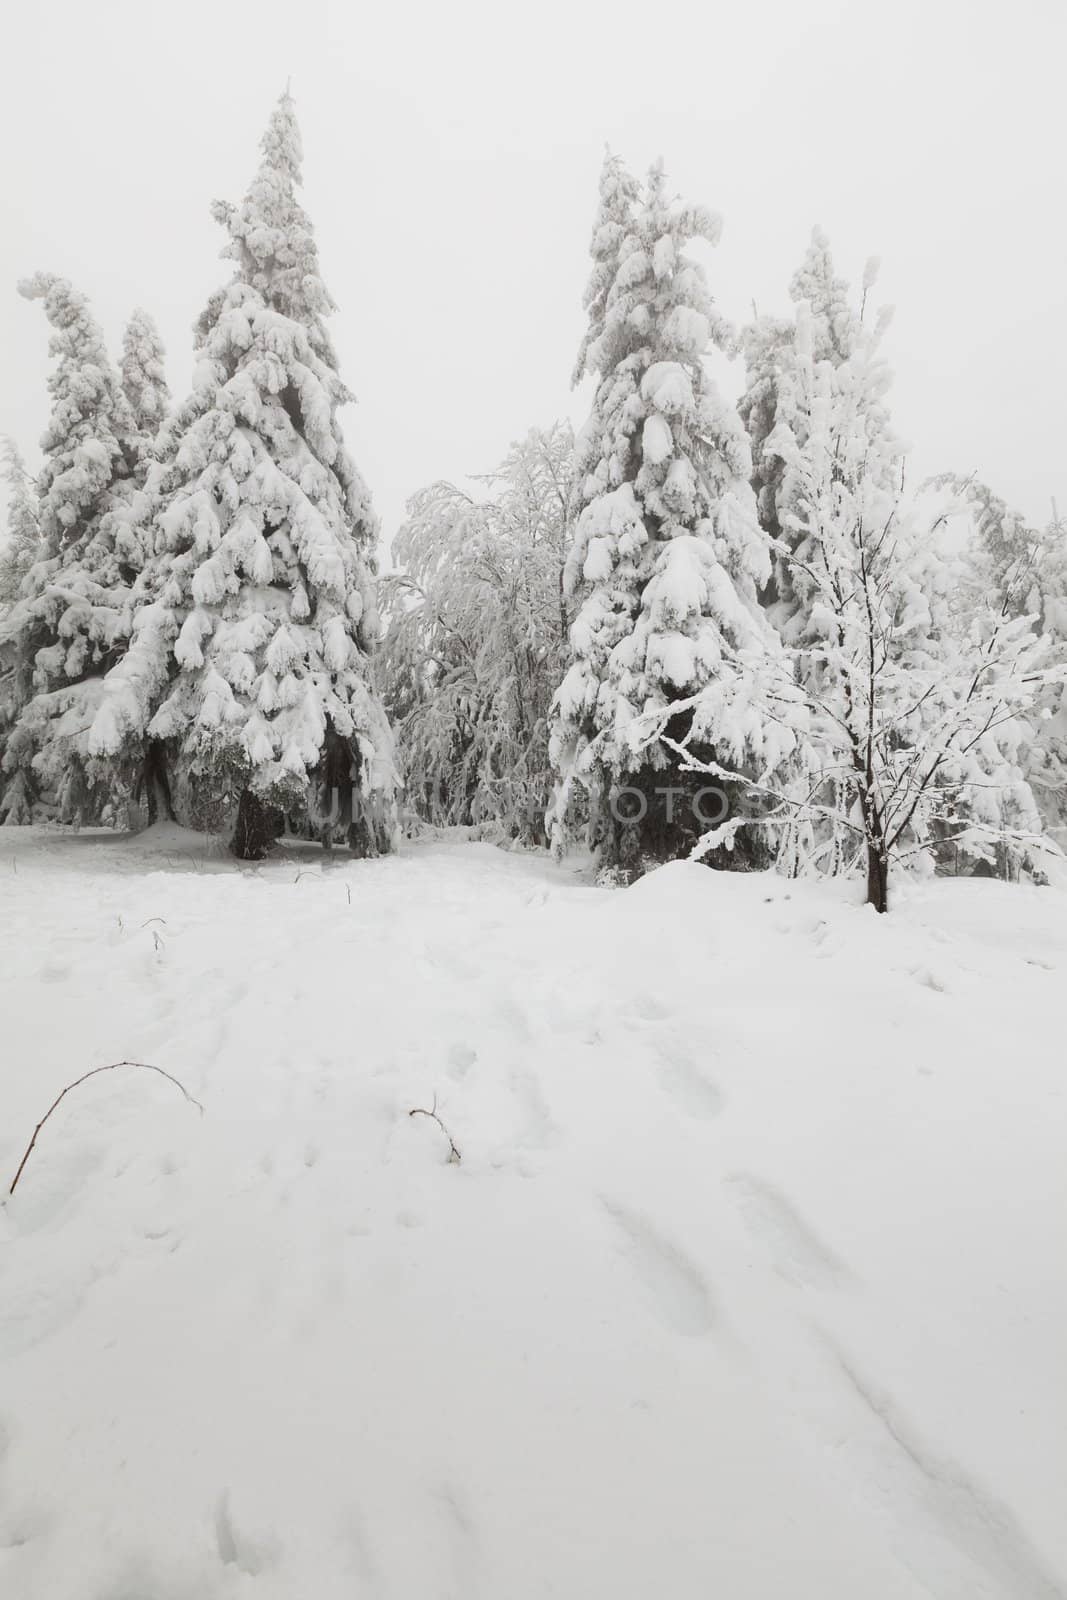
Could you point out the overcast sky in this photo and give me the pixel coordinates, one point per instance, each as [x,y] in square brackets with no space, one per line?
[451,161]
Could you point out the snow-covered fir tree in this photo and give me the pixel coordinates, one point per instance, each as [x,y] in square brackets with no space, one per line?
[67,627]
[144,375]
[477,639]
[249,667]
[667,540]
[21,544]
[917,731]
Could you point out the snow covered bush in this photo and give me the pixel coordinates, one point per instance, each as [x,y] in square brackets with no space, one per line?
[477,639]
[668,543]
[68,624]
[249,667]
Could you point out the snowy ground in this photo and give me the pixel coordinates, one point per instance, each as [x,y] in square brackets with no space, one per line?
[750,1283]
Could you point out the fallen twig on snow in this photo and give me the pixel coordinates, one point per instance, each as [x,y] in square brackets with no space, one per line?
[110,1067]
[421,1111]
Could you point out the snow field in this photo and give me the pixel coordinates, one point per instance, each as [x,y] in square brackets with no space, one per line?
[748,1281]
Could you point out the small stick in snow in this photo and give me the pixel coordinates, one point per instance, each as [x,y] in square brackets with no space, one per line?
[148,1067]
[421,1111]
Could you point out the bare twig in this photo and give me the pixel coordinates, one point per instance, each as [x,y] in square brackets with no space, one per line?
[110,1067]
[420,1111]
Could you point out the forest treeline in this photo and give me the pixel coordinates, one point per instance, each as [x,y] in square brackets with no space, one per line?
[691,603]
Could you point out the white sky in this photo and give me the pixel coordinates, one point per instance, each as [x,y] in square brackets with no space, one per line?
[451,161]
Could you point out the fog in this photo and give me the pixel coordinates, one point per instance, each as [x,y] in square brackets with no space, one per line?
[451,162]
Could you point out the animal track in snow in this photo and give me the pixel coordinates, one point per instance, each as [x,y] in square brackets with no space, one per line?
[675,1291]
[796,1250]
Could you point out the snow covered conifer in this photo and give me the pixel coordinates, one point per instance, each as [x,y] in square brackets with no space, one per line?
[144,376]
[667,540]
[250,657]
[66,628]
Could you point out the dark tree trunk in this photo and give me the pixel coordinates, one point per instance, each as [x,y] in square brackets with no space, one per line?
[337,786]
[156,784]
[877,878]
[254,832]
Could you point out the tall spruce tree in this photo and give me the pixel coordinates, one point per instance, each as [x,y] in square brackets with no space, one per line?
[67,626]
[250,660]
[667,540]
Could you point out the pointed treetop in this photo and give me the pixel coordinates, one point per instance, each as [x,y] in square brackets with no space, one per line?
[281,144]
[271,237]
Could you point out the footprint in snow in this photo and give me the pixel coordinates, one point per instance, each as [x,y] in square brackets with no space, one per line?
[939,1508]
[461,1057]
[796,1251]
[672,1286]
[449,1508]
[235,1547]
[686,1085]
[650,1008]
[931,979]
[54,972]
